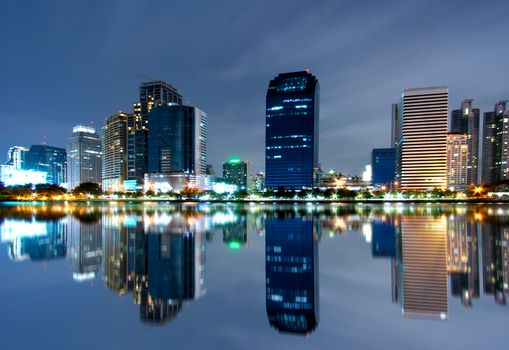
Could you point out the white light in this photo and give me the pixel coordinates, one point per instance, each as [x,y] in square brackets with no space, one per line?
[12,229]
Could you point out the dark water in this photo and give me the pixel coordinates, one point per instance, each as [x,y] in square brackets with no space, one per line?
[230,276]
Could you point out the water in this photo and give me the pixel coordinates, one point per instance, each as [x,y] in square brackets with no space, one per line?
[232,276]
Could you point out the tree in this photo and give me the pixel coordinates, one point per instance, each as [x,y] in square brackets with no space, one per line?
[49,190]
[88,188]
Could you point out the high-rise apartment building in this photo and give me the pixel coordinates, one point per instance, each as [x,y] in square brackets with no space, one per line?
[291,131]
[488,148]
[421,158]
[16,157]
[457,160]
[84,157]
[466,121]
[152,94]
[236,171]
[114,147]
[501,155]
[177,140]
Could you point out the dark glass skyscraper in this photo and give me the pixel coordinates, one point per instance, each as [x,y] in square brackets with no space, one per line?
[291,124]
[488,148]
[465,121]
[177,140]
[152,94]
[52,160]
[383,163]
[291,274]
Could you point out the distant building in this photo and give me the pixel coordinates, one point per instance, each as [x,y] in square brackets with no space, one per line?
[421,158]
[177,140]
[466,121]
[488,148]
[152,94]
[52,160]
[114,146]
[236,171]
[84,157]
[383,165]
[457,160]
[394,124]
[16,157]
[501,166]
[291,124]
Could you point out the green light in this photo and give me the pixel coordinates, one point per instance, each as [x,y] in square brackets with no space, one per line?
[234,245]
[234,160]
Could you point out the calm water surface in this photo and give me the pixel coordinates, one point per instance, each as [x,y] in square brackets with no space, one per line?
[232,276]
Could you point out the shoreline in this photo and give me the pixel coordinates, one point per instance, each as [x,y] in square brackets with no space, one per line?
[271,201]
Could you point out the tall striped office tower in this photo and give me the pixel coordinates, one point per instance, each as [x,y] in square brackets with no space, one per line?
[421,158]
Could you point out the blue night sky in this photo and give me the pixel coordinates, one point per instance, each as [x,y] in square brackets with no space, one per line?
[69,62]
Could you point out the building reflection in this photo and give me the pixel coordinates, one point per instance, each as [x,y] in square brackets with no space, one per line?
[291,268]
[84,248]
[160,258]
[495,256]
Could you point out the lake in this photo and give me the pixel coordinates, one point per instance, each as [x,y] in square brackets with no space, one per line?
[254,276]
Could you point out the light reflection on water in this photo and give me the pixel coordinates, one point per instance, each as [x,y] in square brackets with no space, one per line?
[157,253]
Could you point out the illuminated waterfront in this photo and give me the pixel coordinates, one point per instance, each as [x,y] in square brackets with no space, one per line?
[231,276]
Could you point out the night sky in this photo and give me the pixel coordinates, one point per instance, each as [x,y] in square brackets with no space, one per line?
[69,62]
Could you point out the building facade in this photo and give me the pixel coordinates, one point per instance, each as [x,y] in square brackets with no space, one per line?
[394,124]
[152,94]
[501,155]
[383,162]
[421,158]
[488,148]
[16,157]
[236,171]
[177,140]
[84,156]
[52,160]
[114,147]
[291,131]
[457,160]
[466,121]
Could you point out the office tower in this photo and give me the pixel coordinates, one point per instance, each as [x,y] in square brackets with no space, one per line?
[84,157]
[422,260]
[466,121]
[394,125]
[488,148]
[84,249]
[52,160]
[291,130]
[152,94]
[383,164]
[501,155]
[114,147]
[291,274]
[457,160]
[236,171]
[16,157]
[421,158]
[177,140]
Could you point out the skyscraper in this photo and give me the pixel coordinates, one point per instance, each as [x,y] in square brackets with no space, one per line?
[52,160]
[236,171]
[84,158]
[466,121]
[488,148]
[177,140]
[291,130]
[501,166]
[421,159]
[114,146]
[152,94]
[16,157]
[457,160]
[383,162]
[394,124]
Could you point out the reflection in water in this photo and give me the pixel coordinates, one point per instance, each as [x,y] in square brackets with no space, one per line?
[291,274]
[156,252]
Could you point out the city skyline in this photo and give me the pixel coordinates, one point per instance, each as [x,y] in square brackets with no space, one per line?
[228,78]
